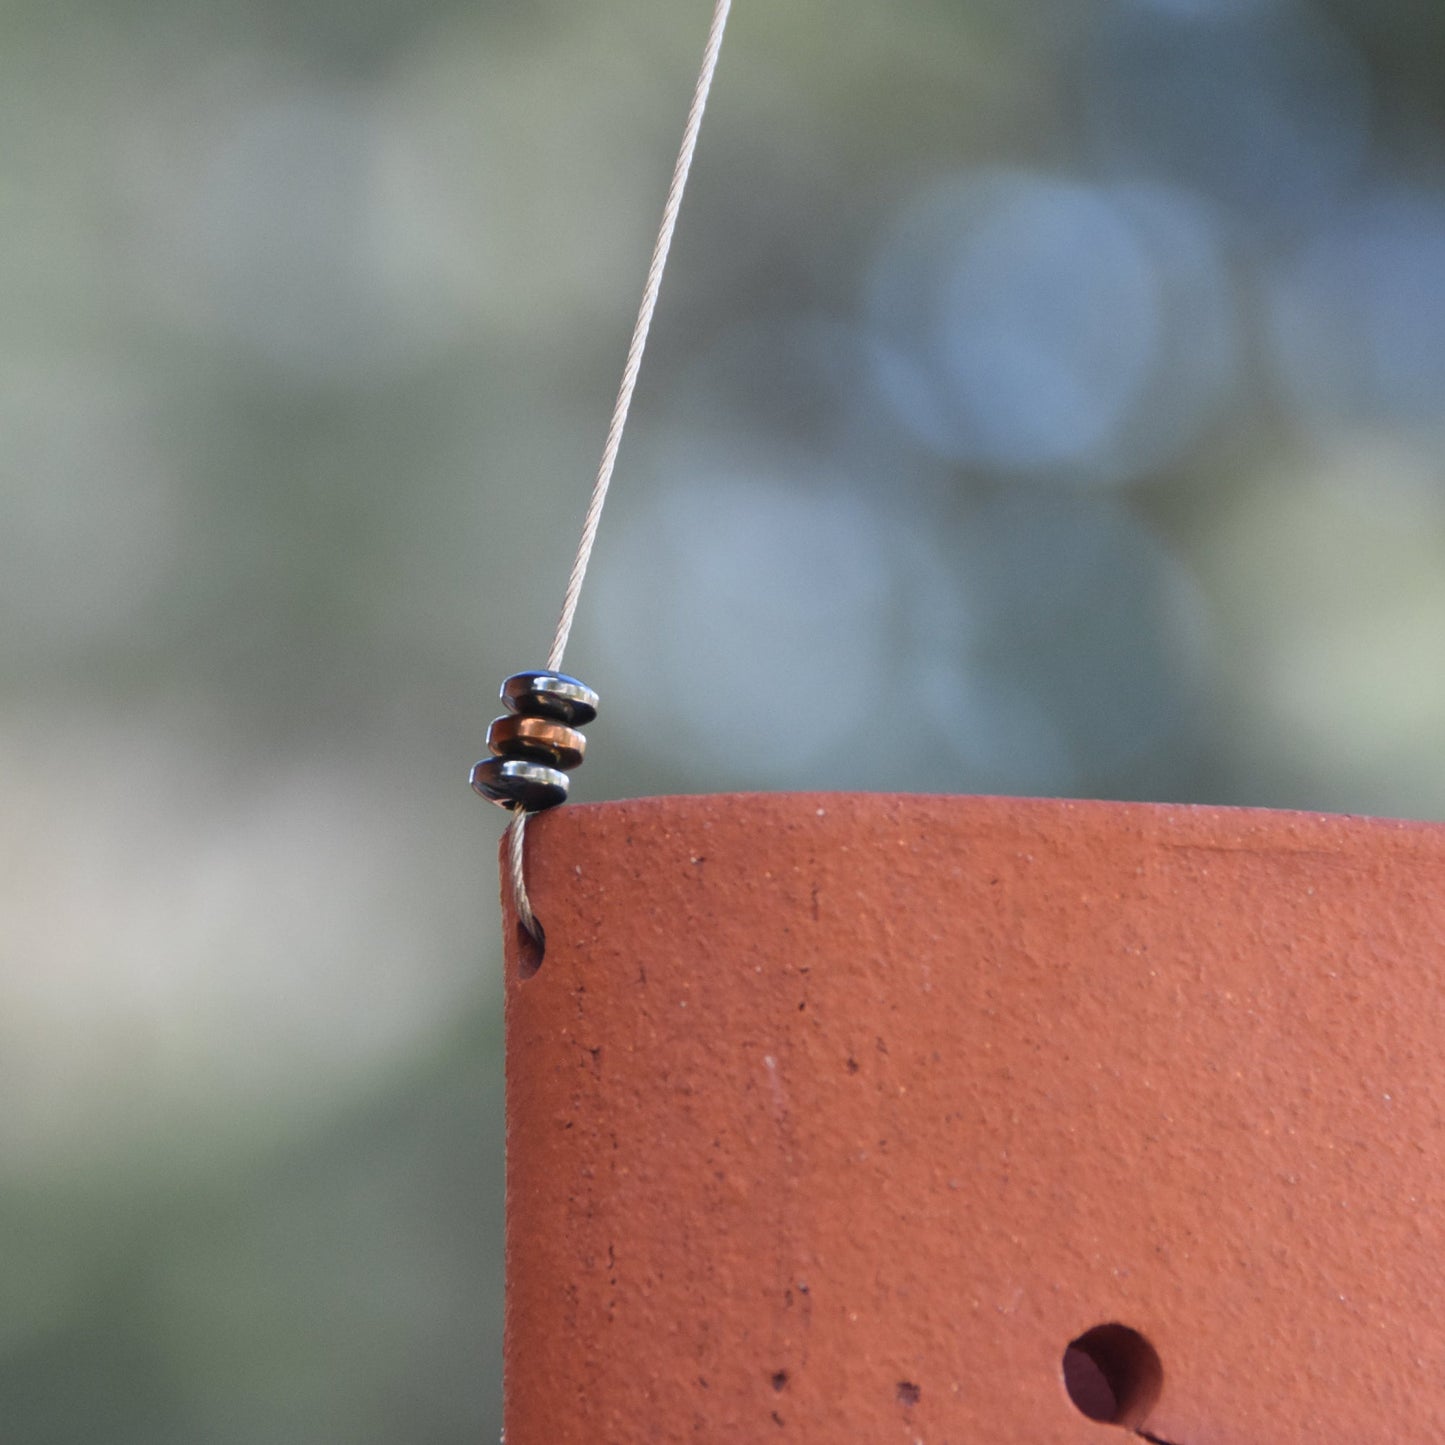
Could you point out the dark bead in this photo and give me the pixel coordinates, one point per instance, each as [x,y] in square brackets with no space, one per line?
[538,738]
[550,694]
[517,782]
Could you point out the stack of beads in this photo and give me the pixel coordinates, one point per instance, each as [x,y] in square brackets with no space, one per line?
[536,742]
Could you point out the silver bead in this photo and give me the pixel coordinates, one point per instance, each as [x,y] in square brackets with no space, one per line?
[550,694]
[520,783]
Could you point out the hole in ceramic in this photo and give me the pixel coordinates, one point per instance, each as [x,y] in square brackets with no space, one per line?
[530,950]
[1113,1375]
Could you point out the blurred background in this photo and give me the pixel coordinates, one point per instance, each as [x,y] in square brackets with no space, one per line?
[1066,377]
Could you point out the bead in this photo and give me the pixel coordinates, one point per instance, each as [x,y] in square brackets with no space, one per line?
[517,782]
[550,694]
[537,738]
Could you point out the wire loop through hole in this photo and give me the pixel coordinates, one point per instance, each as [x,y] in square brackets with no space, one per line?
[531,948]
[1113,1375]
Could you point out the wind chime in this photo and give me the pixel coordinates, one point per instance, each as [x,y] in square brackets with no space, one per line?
[843,1118]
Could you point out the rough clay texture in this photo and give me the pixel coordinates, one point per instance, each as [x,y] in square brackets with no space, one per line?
[834,1118]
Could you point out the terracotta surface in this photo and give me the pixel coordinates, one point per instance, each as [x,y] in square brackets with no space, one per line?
[836,1118]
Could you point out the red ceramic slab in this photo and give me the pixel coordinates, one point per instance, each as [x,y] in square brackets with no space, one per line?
[837,1118]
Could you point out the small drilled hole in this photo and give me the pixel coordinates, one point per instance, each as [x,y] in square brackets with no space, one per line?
[530,950]
[1113,1375]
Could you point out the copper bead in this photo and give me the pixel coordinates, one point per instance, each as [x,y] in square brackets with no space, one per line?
[536,737]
